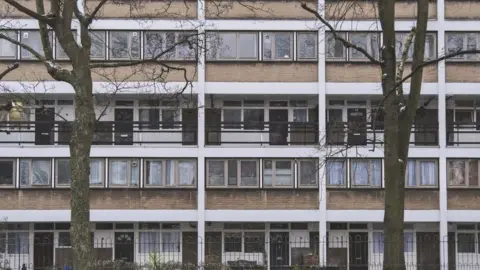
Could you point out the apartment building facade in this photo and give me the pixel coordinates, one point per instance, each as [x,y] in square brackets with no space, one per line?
[250,165]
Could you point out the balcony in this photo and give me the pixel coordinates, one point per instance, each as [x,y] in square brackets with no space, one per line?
[262,133]
[463,134]
[106,133]
[358,134]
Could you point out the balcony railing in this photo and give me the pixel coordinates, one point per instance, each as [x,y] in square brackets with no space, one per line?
[263,133]
[106,133]
[463,134]
[348,133]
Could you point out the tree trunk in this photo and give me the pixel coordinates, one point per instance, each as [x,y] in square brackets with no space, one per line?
[80,145]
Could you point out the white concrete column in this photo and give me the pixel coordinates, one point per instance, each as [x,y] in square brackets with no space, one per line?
[201,135]
[442,120]
[322,226]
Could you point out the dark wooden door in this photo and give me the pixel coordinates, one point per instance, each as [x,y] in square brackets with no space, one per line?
[124,246]
[189,126]
[44,126]
[278,119]
[213,247]
[124,126]
[357,126]
[428,250]
[279,250]
[213,126]
[358,250]
[43,250]
[189,248]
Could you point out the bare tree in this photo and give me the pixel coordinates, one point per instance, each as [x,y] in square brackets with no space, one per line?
[400,110]
[59,17]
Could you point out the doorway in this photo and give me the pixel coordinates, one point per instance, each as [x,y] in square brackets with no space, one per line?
[428,250]
[279,250]
[44,126]
[42,250]
[357,126]
[189,126]
[189,247]
[278,119]
[124,246]
[123,126]
[358,250]
[426,131]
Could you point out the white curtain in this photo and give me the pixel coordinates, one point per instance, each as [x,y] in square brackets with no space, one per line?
[411,173]
[169,173]
[428,173]
[335,172]
[155,171]
[360,172]
[96,172]
[186,172]
[376,172]
[171,242]
[118,172]
[149,242]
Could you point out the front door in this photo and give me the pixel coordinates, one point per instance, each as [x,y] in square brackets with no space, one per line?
[428,250]
[123,126]
[189,126]
[279,250]
[358,250]
[44,126]
[278,119]
[124,246]
[357,126]
[42,250]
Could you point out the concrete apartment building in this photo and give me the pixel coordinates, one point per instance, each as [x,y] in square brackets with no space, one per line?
[202,181]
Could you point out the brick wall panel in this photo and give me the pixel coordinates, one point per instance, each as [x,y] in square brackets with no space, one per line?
[367,10]
[258,9]
[462,72]
[462,10]
[262,199]
[465,199]
[168,9]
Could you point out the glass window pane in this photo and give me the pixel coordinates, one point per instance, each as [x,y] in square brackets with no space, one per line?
[411,173]
[362,41]
[248,173]
[308,172]
[335,172]
[307,45]
[267,172]
[119,172]
[153,44]
[31,38]
[408,240]
[186,172]
[335,48]
[96,171]
[283,46]
[154,172]
[63,172]
[41,172]
[216,173]
[149,242]
[360,172]
[7,172]
[247,46]
[466,243]
[378,242]
[169,173]
[97,50]
[18,243]
[171,242]
[232,118]
[428,173]
[456,172]
[187,46]
[455,43]
[232,172]
[283,173]
[124,45]
[8,50]
[376,173]
[228,46]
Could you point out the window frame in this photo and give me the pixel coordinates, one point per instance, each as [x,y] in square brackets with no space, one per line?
[129,173]
[363,58]
[242,243]
[30,172]
[238,174]
[345,52]
[418,179]
[216,55]
[20,55]
[299,172]
[14,172]
[466,172]
[129,49]
[176,173]
[176,52]
[17,247]
[345,173]
[404,36]
[102,173]
[105,36]
[298,46]
[407,245]
[465,36]
[274,168]
[273,46]
[370,172]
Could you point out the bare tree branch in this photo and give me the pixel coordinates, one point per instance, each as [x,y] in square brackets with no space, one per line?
[347,44]
[8,70]
[27,11]
[90,17]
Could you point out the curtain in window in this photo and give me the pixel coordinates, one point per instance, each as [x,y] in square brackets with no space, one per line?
[360,172]
[335,172]
[377,242]
[154,176]
[41,172]
[428,173]
[376,172]
[18,243]
[186,172]
[411,173]
[171,242]
[96,172]
[169,173]
[118,172]
[149,242]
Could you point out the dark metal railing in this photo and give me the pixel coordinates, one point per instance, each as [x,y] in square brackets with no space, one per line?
[459,133]
[106,133]
[264,133]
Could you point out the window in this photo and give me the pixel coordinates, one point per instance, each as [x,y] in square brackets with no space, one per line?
[7,172]
[171,242]
[367,41]
[59,52]
[169,45]
[62,172]
[170,172]
[278,46]
[336,172]
[97,50]
[466,242]
[334,48]
[32,38]
[366,172]
[277,173]
[149,114]
[232,173]
[462,173]
[8,50]
[124,45]
[232,242]
[308,173]
[169,117]
[149,242]
[232,46]
[18,242]
[378,242]
[430,46]
[35,172]
[377,115]
[460,42]
[422,173]
[307,46]
[124,172]
[64,239]
[254,242]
